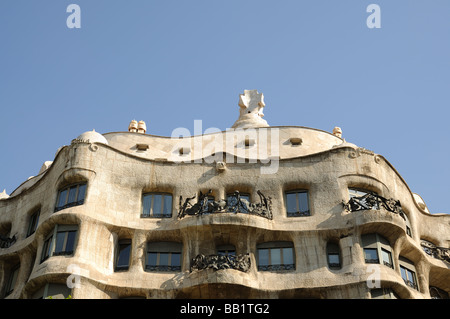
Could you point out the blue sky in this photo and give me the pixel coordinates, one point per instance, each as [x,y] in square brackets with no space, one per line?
[172,62]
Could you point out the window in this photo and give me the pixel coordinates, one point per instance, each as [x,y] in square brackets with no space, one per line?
[371,256]
[387,258]
[242,206]
[383,293]
[163,256]
[60,242]
[71,196]
[333,256]
[157,205]
[34,221]
[274,256]
[376,246]
[437,293]
[297,203]
[123,255]
[226,250]
[408,272]
[53,291]
[12,279]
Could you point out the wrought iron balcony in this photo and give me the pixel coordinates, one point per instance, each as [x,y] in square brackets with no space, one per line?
[277,267]
[373,201]
[435,251]
[6,242]
[217,262]
[234,204]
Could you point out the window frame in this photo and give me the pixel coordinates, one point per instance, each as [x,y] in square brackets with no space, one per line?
[33,222]
[333,249]
[271,248]
[164,248]
[298,202]
[67,189]
[152,203]
[408,273]
[376,242]
[12,279]
[128,244]
[51,241]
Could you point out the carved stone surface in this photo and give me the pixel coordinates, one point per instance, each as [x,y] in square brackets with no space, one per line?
[217,262]
[234,204]
[373,201]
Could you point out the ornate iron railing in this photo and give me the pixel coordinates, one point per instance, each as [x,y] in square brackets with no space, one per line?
[234,204]
[72,204]
[278,267]
[435,251]
[6,242]
[217,262]
[374,201]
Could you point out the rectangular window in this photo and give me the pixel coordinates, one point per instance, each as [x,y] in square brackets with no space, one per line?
[34,221]
[297,204]
[409,277]
[123,255]
[371,256]
[157,205]
[60,242]
[71,196]
[387,258]
[12,280]
[163,256]
[276,256]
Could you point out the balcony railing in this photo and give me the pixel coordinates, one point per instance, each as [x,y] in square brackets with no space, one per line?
[374,201]
[217,262]
[435,251]
[6,242]
[234,204]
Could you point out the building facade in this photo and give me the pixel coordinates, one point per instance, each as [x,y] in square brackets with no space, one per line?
[252,212]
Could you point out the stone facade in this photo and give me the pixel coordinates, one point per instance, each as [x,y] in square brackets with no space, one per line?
[260,212]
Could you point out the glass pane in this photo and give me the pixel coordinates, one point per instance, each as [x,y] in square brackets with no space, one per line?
[167,208]
[60,237]
[333,259]
[275,256]
[303,202]
[62,198]
[263,257]
[81,192]
[124,255]
[157,201]
[72,195]
[371,255]
[146,204]
[386,256]
[151,259]
[403,272]
[291,203]
[163,259]
[411,276]
[70,240]
[288,256]
[176,259]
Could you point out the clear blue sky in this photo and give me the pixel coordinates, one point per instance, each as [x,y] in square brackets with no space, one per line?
[172,62]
